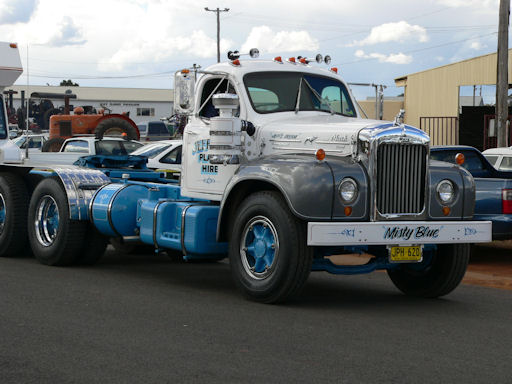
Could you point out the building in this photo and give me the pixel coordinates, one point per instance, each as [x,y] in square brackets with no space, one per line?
[391,106]
[143,104]
[433,98]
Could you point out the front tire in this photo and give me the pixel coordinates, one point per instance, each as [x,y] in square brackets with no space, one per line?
[55,239]
[438,277]
[270,260]
[115,127]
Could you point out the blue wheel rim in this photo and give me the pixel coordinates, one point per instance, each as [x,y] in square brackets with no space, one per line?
[2,213]
[259,247]
[47,220]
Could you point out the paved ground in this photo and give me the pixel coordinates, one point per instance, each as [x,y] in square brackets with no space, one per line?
[146,319]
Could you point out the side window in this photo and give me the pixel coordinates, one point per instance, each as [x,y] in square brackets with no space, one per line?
[506,164]
[173,157]
[209,110]
[76,146]
[492,159]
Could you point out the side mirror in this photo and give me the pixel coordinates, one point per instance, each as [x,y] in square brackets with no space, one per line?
[184,87]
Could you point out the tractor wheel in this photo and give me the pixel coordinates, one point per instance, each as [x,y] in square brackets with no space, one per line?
[53,145]
[47,115]
[115,127]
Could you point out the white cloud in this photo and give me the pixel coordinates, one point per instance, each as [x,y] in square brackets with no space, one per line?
[197,44]
[477,45]
[400,32]
[66,34]
[16,11]
[470,3]
[268,41]
[393,58]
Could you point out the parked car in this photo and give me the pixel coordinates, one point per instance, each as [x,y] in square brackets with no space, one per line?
[163,155]
[500,158]
[34,142]
[153,130]
[106,146]
[493,187]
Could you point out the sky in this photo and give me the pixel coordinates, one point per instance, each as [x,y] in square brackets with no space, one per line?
[141,43]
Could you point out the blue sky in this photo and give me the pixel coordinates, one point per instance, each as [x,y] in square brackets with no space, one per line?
[140,43]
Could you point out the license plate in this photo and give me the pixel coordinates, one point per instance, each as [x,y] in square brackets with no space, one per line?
[405,254]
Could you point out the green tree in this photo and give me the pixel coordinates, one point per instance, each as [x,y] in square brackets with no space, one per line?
[68,83]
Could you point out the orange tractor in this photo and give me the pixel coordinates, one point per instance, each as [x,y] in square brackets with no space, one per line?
[64,126]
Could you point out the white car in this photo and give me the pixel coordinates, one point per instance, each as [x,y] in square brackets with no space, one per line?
[163,155]
[500,158]
[107,146]
[34,142]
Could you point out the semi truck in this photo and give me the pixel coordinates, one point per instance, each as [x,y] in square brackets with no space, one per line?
[280,172]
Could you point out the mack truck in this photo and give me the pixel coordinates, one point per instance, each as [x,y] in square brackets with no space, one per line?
[280,172]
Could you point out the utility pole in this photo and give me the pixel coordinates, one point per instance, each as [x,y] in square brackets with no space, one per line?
[218,11]
[502,75]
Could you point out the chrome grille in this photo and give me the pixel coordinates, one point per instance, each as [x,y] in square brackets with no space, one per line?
[401,178]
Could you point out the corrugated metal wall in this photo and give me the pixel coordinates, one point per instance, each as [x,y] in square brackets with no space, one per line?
[435,92]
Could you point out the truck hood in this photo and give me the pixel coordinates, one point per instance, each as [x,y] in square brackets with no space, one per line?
[335,134]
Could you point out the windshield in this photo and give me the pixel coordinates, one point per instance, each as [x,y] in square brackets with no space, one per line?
[151,151]
[116,148]
[290,91]
[3,119]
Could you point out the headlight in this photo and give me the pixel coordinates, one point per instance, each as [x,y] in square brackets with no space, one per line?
[445,191]
[348,190]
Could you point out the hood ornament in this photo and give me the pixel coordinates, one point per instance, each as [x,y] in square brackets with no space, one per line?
[399,118]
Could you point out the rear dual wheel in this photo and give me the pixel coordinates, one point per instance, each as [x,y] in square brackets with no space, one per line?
[55,239]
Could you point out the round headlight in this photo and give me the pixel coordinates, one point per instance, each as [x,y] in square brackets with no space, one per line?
[348,190]
[445,191]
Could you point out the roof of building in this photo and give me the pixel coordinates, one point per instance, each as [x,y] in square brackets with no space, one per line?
[101,93]
[400,81]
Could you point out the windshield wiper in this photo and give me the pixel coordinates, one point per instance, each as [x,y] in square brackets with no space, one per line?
[320,98]
[298,97]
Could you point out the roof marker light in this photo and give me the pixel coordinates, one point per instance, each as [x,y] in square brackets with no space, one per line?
[185,71]
[278,59]
[303,60]
[334,69]
[236,63]
[292,60]
[13,45]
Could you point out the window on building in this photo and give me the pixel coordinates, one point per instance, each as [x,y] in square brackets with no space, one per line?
[145,111]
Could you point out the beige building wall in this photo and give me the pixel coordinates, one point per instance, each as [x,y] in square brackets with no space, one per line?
[435,92]
[391,108]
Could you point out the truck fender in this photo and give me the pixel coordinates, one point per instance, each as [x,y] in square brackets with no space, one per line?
[80,185]
[301,180]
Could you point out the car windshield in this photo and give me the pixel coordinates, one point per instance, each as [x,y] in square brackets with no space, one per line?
[290,91]
[152,150]
[116,148]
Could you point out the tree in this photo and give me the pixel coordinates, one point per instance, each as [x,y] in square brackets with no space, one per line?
[68,83]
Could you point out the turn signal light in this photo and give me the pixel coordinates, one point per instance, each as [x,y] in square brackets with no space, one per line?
[320,154]
[506,201]
[348,211]
[185,71]
[13,45]
[446,211]
[459,158]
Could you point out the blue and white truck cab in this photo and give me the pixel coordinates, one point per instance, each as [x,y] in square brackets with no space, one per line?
[279,172]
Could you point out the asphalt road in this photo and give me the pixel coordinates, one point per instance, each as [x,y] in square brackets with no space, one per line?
[136,319]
